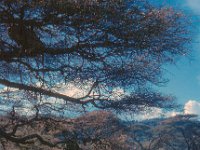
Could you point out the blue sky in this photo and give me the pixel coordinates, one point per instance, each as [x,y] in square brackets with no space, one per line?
[185,75]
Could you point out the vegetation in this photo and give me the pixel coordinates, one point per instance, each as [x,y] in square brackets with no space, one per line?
[101,130]
[112,51]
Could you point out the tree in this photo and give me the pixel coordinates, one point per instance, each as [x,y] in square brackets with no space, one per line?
[179,132]
[112,50]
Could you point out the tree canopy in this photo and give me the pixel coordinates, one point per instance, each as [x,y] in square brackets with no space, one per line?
[113,51]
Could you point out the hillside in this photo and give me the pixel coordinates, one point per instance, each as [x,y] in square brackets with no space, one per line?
[101,130]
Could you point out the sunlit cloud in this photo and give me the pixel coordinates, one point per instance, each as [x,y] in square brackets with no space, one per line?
[156,113]
[150,114]
[192,107]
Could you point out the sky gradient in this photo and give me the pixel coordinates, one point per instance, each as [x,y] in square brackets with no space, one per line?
[184,77]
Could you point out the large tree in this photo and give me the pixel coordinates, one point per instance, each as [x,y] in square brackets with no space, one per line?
[112,51]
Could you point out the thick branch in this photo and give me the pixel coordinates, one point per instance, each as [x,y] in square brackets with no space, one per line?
[25,139]
[39,90]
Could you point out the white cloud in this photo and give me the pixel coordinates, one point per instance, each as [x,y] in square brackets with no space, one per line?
[25,106]
[192,107]
[156,113]
[117,93]
[150,114]
[71,90]
[172,113]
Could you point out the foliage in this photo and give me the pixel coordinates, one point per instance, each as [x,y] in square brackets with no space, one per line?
[104,131]
[112,50]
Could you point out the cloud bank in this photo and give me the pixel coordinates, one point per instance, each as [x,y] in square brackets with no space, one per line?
[190,107]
